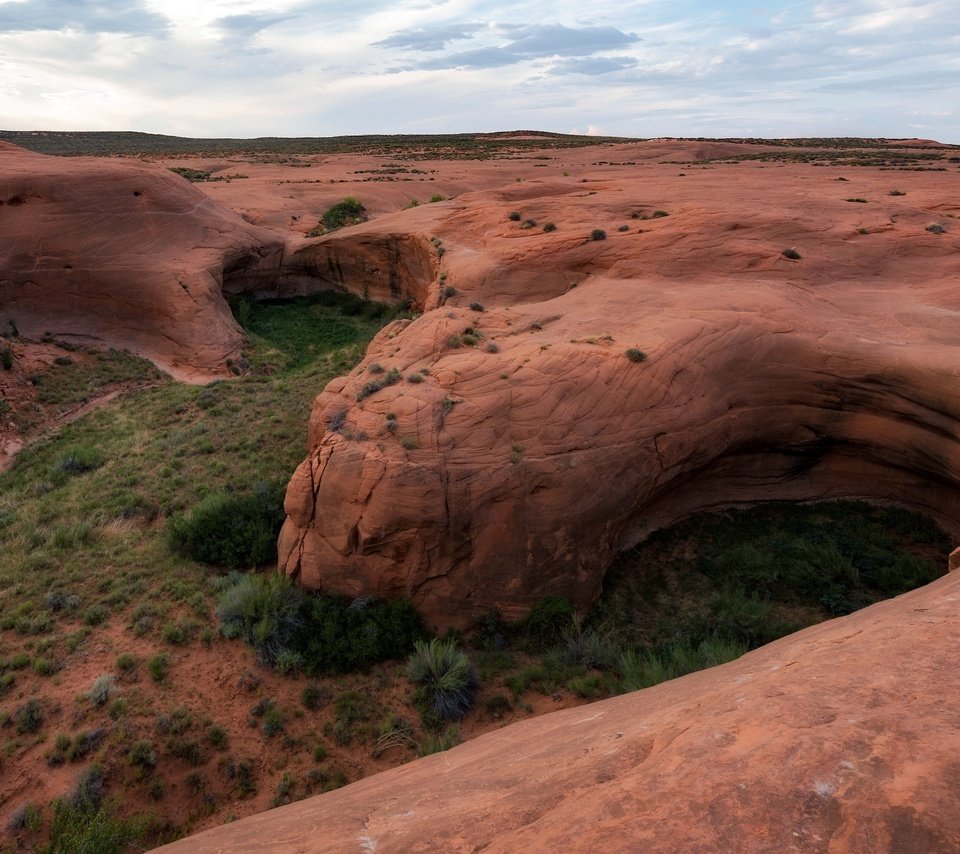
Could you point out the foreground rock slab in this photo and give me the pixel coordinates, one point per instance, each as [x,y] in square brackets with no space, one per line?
[843,737]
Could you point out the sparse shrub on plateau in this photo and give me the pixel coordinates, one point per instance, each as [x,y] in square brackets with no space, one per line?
[229,529]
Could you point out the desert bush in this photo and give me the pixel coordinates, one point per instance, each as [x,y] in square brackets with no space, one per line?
[349,211]
[142,756]
[790,253]
[659,214]
[547,623]
[346,635]
[635,355]
[266,611]
[330,634]
[549,226]
[29,717]
[477,306]
[314,696]
[218,737]
[515,216]
[528,223]
[598,234]
[7,358]
[157,667]
[436,197]
[936,228]
[100,692]
[27,817]
[230,529]
[440,742]
[444,672]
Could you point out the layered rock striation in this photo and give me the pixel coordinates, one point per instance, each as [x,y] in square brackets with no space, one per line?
[117,253]
[523,446]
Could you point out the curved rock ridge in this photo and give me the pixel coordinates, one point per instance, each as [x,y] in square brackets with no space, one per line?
[532,453]
[124,254]
[833,739]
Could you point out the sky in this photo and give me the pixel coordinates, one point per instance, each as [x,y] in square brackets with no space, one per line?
[639,68]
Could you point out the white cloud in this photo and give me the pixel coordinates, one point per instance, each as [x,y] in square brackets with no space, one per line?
[318,67]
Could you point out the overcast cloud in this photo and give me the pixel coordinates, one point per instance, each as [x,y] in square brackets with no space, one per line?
[324,67]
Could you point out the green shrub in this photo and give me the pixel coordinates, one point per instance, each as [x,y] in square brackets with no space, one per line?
[349,211]
[598,234]
[157,667]
[447,676]
[440,742]
[436,197]
[515,216]
[218,737]
[659,214]
[29,717]
[267,611]
[126,662]
[547,623]
[328,634]
[142,756]
[549,226]
[230,529]
[635,355]
[81,459]
[790,253]
[7,358]
[314,696]
[344,635]
[100,692]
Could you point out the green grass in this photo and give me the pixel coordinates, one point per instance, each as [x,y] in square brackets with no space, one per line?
[748,577]
[85,510]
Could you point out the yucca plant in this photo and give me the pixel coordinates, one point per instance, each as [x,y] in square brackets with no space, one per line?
[445,674]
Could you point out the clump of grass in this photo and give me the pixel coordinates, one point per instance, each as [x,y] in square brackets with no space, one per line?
[477,306]
[528,223]
[440,742]
[549,226]
[936,228]
[515,216]
[635,355]
[446,677]
[157,667]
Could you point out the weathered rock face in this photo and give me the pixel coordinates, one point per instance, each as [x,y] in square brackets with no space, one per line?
[833,739]
[535,451]
[122,254]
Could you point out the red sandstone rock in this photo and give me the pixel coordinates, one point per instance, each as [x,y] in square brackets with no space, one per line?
[524,463]
[119,253]
[839,738]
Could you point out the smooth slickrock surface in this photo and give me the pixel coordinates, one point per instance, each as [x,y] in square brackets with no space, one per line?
[117,253]
[843,737]
[527,459]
